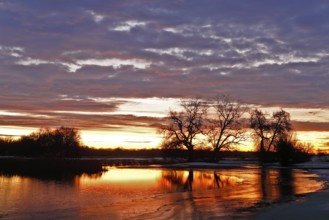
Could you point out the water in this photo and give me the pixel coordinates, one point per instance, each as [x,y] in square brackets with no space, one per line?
[123,193]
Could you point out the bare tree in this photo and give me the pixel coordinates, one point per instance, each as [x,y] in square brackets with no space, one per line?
[281,126]
[182,128]
[225,129]
[262,128]
[269,130]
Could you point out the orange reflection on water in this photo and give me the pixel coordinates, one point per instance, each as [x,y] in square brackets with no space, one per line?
[168,180]
[145,192]
[182,180]
[125,179]
[153,193]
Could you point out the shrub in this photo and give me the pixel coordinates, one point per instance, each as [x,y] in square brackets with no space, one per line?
[289,151]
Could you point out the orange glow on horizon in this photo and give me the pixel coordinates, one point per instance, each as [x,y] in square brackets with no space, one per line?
[147,138]
[16,131]
[125,139]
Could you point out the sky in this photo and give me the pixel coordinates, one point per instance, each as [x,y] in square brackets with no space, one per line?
[113,69]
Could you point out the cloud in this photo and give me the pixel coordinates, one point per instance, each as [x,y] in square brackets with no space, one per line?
[181,53]
[115,63]
[11,51]
[311,126]
[114,114]
[128,25]
[260,52]
[84,121]
[285,59]
[78,64]
[70,67]
[29,61]
[96,17]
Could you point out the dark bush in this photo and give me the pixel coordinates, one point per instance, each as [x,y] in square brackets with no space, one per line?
[290,152]
[60,142]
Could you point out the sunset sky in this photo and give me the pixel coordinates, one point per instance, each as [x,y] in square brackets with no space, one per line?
[114,68]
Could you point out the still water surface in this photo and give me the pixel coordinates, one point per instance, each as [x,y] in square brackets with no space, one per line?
[123,193]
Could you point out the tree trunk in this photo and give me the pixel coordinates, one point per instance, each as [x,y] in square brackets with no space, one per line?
[262,152]
[189,182]
[215,155]
[190,154]
[262,147]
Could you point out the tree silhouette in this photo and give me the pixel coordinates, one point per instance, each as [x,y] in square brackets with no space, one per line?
[59,142]
[268,131]
[224,130]
[290,151]
[261,127]
[182,128]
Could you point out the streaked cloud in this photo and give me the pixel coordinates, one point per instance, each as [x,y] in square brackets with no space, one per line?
[128,25]
[30,61]
[311,126]
[115,63]
[78,64]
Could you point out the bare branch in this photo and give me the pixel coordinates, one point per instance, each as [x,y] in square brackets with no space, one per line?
[225,129]
[182,128]
[269,130]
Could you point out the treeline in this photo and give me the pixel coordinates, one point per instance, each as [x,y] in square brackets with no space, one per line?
[200,154]
[202,130]
[65,142]
[222,124]
[46,142]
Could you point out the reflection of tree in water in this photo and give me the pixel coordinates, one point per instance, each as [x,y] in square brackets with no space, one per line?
[264,183]
[57,169]
[189,181]
[172,179]
[177,181]
[277,184]
[286,183]
[92,175]
[217,180]
[221,181]
[60,178]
